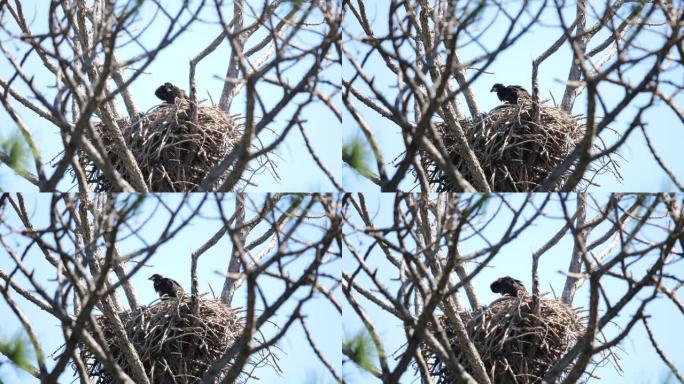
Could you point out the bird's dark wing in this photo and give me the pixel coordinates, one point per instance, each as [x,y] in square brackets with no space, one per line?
[507,94]
[502,94]
[520,91]
[166,287]
[181,94]
[516,287]
[519,286]
[177,288]
[511,288]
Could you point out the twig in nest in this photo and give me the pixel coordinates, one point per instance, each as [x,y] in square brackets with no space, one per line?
[163,333]
[516,153]
[174,154]
[505,333]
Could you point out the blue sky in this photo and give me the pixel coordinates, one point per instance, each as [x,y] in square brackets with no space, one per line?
[296,168]
[514,66]
[637,357]
[296,359]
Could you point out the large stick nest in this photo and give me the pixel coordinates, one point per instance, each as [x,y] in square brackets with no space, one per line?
[174,154]
[165,335]
[516,345]
[516,152]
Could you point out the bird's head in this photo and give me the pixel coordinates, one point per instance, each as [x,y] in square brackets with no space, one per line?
[155,277]
[496,87]
[496,285]
[507,285]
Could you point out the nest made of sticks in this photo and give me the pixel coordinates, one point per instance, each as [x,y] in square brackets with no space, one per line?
[174,154]
[516,346]
[165,334]
[516,152]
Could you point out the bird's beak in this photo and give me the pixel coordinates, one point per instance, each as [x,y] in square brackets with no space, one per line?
[492,90]
[151,278]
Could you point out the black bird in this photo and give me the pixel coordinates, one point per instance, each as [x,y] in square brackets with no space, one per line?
[169,92]
[166,287]
[508,285]
[510,94]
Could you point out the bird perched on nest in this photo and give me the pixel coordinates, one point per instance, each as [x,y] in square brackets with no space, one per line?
[508,285]
[169,92]
[510,94]
[166,287]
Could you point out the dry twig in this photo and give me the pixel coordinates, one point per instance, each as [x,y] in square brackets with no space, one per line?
[516,152]
[163,333]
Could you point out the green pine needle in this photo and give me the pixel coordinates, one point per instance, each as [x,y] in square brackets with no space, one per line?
[356,155]
[17,153]
[18,351]
[361,351]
